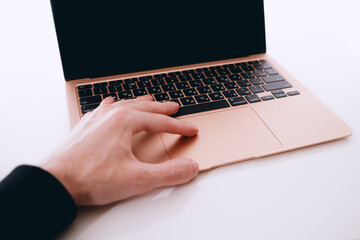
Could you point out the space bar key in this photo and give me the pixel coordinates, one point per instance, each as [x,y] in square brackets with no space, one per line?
[201,107]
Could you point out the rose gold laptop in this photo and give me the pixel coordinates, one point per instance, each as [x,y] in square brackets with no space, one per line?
[209,58]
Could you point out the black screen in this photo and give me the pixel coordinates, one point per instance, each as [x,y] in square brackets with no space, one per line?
[109,37]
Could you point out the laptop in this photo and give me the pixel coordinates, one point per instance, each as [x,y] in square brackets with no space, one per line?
[209,58]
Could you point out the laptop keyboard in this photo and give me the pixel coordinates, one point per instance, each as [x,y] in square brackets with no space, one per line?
[195,90]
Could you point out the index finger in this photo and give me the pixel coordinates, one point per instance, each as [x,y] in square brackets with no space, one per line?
[157,123]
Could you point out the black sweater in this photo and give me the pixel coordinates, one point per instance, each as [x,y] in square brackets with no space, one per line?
[33,205]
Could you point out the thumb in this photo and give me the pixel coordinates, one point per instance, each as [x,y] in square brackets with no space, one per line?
[176,171]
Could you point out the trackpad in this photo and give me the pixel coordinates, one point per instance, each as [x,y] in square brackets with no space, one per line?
[224,137]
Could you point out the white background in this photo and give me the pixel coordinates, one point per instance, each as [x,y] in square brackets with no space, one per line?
[312,193]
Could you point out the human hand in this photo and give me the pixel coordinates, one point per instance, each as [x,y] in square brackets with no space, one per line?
[96,163]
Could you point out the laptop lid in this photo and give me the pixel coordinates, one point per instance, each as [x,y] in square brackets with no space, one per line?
[103,38]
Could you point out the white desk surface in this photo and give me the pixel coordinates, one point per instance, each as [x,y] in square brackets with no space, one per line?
[312,193]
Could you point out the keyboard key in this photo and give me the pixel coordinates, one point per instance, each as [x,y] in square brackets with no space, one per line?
[228,65]
[203,90]
[271,71]
[231,85]
[201,107]
[280,95]
[277,92]
[211,74]
[216,96]
[262,66]
[260,74]
[268,97]
[116,82]
[247,75]
[187,101]
[172,79]
[188,71]
[256,89]
[144,78]
[161,75]
[171,74]
[88,108]
[293,93]
[253,98]
[274,78]
[196,76]
[115,88]
[202,98]
[253,62]
[82,87]
[217,87]
[99,85]
[101,90]
[256,81]
[243,91]
[262,61]
[157,82]
[144,84]
[248,68]
[90,100]
[210,81]
[237,101]
[241,64]
[140,92]
[190,92]
[114,95]
[85,93]
[222,79]
[161,96]
[129,86]
[215,68]
[199,70]
[236,70]
[229,93]
[184,78]
[196,83]
[125,95]
[153,90]
[277,85]
[168,88]
[235,77]
[131,80]
[182,85]
[243,83]
[176,94]
[222,72]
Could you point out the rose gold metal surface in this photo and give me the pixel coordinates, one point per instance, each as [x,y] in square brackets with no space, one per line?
[224,136]
[149,148]
[295,122]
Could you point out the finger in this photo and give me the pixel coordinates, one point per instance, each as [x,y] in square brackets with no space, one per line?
[166,108]
[173,172]
[107,101]
[135,100]
[157,123]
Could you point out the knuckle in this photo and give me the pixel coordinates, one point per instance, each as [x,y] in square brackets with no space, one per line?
[122,113]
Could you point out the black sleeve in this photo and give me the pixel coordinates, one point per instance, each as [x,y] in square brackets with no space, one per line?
[33,205]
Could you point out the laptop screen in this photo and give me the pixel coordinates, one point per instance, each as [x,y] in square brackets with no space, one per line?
[110,37]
